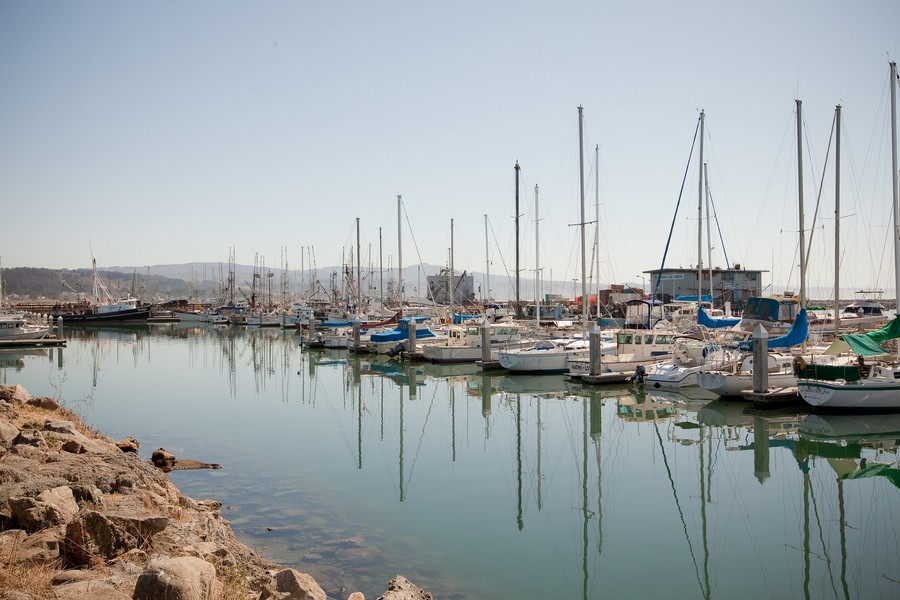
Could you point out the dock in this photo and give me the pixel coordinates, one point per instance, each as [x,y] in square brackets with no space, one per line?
[47,342]
[773,396]
[490,365]
[606,378]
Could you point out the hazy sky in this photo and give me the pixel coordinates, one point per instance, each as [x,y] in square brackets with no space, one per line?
[169,132]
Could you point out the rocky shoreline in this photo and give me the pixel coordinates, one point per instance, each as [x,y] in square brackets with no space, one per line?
[82,516]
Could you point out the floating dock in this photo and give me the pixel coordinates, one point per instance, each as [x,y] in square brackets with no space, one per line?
[47,342]
[773,396]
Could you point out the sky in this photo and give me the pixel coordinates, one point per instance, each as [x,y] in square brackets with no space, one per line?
[152,133]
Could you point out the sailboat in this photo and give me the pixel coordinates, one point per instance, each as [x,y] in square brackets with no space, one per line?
[863,386]
[550,356]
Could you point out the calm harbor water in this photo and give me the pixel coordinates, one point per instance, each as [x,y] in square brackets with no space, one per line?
[355,468]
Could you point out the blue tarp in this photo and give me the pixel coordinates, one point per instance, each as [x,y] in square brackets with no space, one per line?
[707,321]
[797,334]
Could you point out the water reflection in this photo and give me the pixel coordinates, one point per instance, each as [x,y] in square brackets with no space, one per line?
[478,485]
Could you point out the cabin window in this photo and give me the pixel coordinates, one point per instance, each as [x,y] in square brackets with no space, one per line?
[648,339]
[624,338]
[662,339]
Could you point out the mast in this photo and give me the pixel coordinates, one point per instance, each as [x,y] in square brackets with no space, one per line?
[380,271]
[584,298]
[895,198]
[518,302]
[487,264]
[837,218]
[700,216]
[400,250]
[452,283]
[597,223]
[537,261]
[359,299]
[800,202]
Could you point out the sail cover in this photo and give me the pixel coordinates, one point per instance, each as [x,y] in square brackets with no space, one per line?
[717,323]
[866,344]
[796,334]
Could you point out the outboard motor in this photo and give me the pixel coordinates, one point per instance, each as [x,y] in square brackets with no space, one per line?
[638,375]
[397,349]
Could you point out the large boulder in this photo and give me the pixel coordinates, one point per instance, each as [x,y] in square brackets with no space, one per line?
[94,535]
[181,578]
[51,507]
[73,440]
[298,586]
[8,432]
[400,588]
[14,394]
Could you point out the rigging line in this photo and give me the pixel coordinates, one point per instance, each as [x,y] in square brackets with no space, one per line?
[722,242]
[818,519]
[675,216]
[421,437]
[821,183]
[497,244]
[678,505]
[416,245]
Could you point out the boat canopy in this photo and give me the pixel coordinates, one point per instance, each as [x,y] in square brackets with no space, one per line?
[769,309]
[866,344]
[797,334]
[715,323]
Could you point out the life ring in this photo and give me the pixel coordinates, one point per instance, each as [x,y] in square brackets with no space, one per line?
[799,364]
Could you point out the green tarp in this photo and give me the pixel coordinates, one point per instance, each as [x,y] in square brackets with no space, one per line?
[866,344]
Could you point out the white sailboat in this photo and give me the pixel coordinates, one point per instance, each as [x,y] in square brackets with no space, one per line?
[550,356]
[863,386]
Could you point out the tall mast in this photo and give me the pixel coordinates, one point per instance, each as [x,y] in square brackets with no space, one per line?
[800,202]
[597,224]
[537,261]
[518,272]
[487,264]
[400,250]
[452,274]
[700,215]
[584,298]
[380,271]
[837,218]
[895,198]
[359,298]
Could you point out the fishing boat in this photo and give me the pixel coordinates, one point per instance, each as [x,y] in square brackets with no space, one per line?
[102,308]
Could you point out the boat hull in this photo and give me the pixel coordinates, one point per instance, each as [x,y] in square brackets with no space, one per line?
[136,315]
[863,394]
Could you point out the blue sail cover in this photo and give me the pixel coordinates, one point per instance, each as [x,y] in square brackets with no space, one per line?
[707,321]
[797,334]
[401,332]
